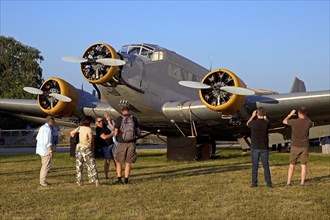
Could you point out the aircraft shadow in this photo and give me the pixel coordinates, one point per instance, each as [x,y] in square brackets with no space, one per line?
[37,170]
[150,155]
[192,171]
[196,170]
[17,161]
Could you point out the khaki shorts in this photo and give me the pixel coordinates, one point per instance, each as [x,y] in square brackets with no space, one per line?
[126,153]
[296,152]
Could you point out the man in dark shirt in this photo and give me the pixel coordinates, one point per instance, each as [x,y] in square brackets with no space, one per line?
[126,150]
[103,140]
[299,142]
[259,145]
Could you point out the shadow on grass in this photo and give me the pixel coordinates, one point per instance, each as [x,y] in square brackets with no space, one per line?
[151,155]
[54,171]
[196,170]
[319,179]
[230,156]
[18,161]
[165,170]
[7,159]
[308,181]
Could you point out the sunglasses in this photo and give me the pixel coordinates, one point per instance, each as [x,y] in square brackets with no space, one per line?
[99,121]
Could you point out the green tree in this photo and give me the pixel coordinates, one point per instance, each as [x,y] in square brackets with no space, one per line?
[19,67]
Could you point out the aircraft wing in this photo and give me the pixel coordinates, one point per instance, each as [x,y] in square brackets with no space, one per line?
[277,106]
[67,113]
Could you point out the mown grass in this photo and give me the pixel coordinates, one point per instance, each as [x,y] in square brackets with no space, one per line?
[213,189]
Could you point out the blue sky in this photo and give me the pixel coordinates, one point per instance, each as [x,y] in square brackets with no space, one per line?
[266,43]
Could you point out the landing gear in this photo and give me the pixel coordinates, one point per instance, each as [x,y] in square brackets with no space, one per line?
[209,144]
[277,147]
[213,147]
[190,148]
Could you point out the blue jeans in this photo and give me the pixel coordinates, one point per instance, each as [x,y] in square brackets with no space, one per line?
[106,152]
[112,151]
[255,155]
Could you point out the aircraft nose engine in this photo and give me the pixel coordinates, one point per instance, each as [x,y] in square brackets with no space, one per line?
[101,63]
[50,103]
[216,97]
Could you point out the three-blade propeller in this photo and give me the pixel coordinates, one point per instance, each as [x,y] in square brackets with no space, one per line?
[230,89]
[57,96]
[104,61]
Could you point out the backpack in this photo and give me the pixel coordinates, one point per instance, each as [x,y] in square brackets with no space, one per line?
[127,128]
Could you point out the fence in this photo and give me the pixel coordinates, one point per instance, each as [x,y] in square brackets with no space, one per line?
[25,137]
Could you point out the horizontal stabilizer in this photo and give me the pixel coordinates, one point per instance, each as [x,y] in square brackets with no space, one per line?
[298,86]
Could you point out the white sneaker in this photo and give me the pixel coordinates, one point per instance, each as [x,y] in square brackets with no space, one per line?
[44,184]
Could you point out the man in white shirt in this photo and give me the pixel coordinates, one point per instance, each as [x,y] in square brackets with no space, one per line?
[44,148]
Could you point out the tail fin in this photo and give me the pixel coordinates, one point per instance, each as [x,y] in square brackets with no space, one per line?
[298,86]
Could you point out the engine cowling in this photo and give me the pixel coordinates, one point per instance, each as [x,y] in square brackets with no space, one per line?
[52,106]
[94,72]
[220,100]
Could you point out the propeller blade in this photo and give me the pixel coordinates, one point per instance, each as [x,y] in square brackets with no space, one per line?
[60,97]
[111,62]
[238,90]
[194,85]
[34,91]
[74,59]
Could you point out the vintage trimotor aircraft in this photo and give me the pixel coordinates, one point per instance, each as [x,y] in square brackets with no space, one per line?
[153,81]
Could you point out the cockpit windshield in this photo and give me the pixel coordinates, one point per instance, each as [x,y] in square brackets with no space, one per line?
[142,50]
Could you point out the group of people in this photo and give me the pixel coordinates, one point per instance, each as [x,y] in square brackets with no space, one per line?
[109,137]
[116,147]
[259,125]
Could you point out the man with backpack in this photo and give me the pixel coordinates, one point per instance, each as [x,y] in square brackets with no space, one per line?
[126,132]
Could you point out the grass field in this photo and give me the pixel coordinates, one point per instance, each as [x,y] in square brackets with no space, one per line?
[213,189]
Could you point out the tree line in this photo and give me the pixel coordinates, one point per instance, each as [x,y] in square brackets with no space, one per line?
[19,67]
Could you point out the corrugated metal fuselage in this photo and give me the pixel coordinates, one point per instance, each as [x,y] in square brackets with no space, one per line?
[158,100]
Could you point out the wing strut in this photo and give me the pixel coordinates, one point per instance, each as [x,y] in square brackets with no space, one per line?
[192,124]
[178,127]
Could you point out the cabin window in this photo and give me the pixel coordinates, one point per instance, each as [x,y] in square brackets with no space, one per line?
[141,50]
[157,56]
[181,74]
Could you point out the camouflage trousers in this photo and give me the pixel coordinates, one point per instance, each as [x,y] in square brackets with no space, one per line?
[84,154]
